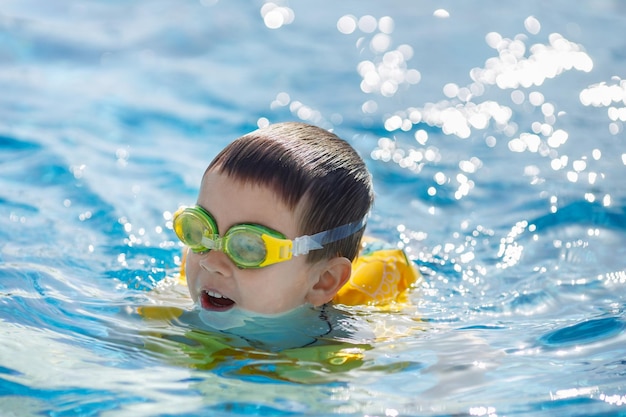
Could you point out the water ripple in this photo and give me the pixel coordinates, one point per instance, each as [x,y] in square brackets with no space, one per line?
[588,331]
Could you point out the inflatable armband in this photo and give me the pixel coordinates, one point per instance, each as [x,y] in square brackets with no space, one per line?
[379,277]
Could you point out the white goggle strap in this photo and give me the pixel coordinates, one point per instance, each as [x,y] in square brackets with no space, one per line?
[303,244]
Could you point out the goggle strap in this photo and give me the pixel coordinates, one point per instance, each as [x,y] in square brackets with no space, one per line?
[303,244]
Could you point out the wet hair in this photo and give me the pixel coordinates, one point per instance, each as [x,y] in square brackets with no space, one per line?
[304,163]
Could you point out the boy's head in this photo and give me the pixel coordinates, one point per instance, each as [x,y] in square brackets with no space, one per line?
[315,173]
[295,179]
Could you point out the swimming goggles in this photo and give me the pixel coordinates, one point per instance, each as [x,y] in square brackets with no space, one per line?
[250,245]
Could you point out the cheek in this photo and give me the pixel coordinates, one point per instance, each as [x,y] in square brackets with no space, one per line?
[294,280]
[274,290]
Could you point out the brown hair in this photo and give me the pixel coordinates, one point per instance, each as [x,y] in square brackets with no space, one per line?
[300,161]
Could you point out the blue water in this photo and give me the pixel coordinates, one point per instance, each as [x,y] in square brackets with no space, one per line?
[495,134]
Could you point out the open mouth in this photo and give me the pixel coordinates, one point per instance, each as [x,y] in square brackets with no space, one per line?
[214,301]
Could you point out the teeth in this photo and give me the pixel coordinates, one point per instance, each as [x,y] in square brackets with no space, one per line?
[215,294]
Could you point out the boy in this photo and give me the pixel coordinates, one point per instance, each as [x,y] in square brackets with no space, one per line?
[278,222]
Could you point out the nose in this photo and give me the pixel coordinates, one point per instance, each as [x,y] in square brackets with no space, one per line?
[216,261]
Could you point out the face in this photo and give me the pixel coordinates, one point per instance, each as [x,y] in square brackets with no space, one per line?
[217,284]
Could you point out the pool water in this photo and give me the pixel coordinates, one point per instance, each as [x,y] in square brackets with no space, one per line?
[495,135]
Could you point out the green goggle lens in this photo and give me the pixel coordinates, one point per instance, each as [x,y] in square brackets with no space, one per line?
[245,247]
[242,243]
[191,225]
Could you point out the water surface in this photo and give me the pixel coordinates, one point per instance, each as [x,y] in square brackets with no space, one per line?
[495,134]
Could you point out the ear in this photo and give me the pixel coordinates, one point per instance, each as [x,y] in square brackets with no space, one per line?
[330,277]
